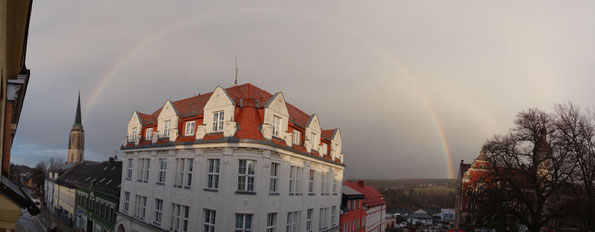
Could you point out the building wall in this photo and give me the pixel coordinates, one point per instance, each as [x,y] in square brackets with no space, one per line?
[226,201]
[354,220]
[96,208]
[65,199]
[375,218]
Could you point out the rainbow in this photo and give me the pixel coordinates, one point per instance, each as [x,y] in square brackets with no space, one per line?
[111,72]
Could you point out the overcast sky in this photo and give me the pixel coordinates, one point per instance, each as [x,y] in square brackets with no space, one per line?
[388,73]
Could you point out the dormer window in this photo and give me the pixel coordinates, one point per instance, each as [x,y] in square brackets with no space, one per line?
[276,125]
[189,128]
[166,128]
[296,137]
[149,134]
[324,148]
[218,118]
[133,136]
[314,138]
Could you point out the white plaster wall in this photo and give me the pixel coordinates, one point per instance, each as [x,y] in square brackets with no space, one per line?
[226,201]
[134,123]
[375,217]
[168,112]
[277,107]
[313,126]
[219,101]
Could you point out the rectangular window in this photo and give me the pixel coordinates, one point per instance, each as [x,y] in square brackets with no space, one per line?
[126,201]
[323,184]
[295,174]
[246,174]
[209,225]
[276,125]
[180,163]
[335,184]
[311,181]
[315,141]
[162,170]
[149,134]
[141,206]
[243,222]
[296,137]
[133,135]
[179,218]
[273,185]
[129,172]
[166,128]
[147,167]
[323,150]
[189,167]
[309,220]
[271,222]
[320,218]
[333,212]
[141,169]
[189,128]
[218,118]
[158,211]
[213,174]
[293,219]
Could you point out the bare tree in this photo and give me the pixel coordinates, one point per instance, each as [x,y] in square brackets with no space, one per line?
[54,162]
[530,168]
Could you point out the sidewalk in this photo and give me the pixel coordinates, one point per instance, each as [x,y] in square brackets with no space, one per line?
[46,219]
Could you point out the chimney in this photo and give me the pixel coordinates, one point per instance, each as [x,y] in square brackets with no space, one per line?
[462,161]
[360,183]
[111,159]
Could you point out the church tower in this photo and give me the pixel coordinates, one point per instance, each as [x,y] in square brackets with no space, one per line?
[76,143]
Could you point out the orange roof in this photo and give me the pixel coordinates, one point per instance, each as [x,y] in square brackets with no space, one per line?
[249,101]
[373,197]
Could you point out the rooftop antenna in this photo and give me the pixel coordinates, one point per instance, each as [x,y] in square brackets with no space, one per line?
[235,82]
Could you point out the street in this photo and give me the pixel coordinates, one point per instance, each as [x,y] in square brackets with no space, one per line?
[29,223]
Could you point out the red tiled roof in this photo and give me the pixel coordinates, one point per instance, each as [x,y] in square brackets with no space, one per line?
[328,134]
[248,121]
[373,197]
[185,139]
[146,119]
[250,101]
[278,141]
[213,136]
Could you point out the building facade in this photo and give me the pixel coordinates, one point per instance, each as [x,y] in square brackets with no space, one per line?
[353,211]
[466,214]
[235,159]
[14,78]
[375,206]
[97,198]
[65,189]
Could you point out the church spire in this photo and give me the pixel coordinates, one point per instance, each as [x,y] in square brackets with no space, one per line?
[78,121]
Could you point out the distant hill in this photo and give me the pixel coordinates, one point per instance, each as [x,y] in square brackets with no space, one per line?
[415,193]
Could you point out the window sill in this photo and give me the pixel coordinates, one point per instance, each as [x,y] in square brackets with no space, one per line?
[274,194]
[128,178]
[160,183]
[187,187]
[245,193]
[211,190]
[312,194]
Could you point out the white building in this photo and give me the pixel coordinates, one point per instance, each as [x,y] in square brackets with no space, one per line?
[235,159]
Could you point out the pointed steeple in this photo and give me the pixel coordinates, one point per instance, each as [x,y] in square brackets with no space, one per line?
[78,120]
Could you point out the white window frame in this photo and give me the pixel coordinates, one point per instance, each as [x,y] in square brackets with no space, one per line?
[335,185]
[133,136]
[149,134]
[311,179]
[180,172]
[190,126]
[141,207]
[333,213]
[274,180]
[246,219]
[322,183]
[209,222]
[324,148]
[309,215]
[296,136]
[218,120]
[246,175]
[179,218]
[166,128]
[293,222]
[126,201]
[189,170]
[130,168]
[147,168]
[271,222]
[213,171]
[276,125]
[162,170]
[158,211]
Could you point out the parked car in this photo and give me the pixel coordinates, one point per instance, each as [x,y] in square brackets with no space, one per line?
[37,202]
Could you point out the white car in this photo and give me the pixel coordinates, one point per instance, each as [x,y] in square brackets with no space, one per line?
[37,202]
